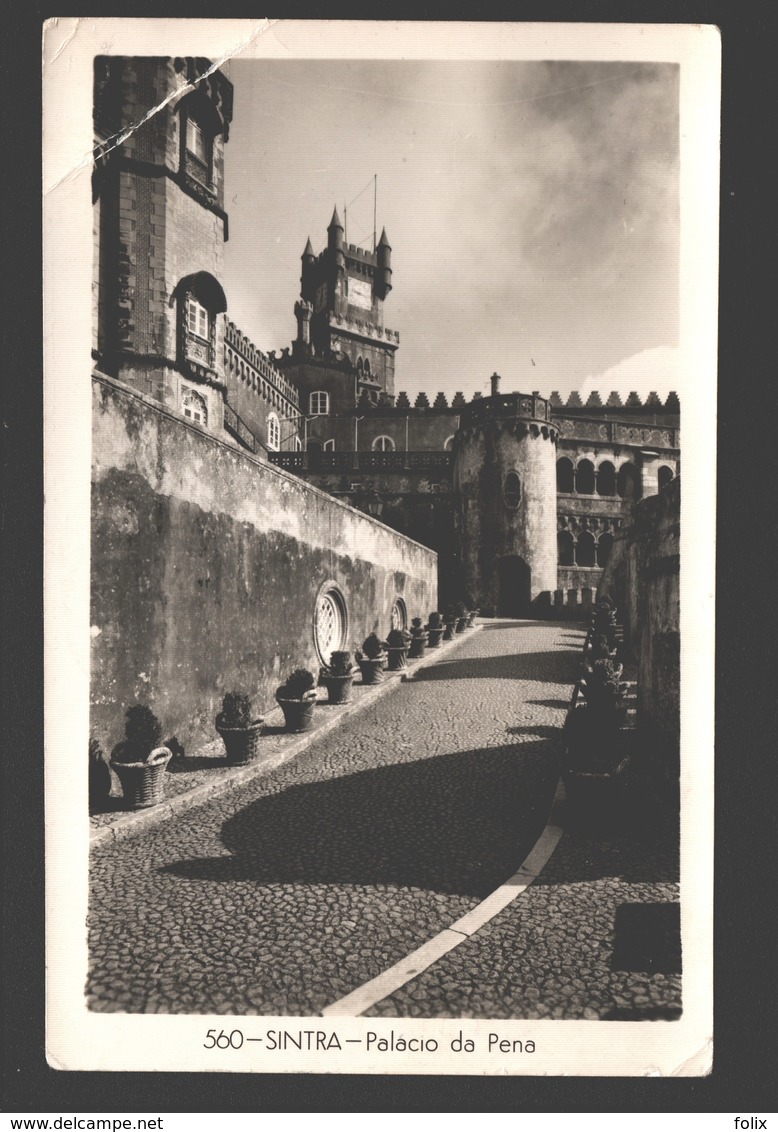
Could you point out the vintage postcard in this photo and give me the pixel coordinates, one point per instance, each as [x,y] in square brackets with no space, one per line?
[373,604]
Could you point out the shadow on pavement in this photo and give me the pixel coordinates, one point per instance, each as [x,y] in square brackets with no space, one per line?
[559,667]
[456,824]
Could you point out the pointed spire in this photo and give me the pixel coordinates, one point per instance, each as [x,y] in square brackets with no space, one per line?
[308,253]
[335,222]
[383,241]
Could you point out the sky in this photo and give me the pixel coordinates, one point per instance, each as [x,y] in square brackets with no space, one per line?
[532,209]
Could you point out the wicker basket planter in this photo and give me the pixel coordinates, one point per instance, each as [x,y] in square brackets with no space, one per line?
[241,744]
[398,658]
[298,714]
[143,783]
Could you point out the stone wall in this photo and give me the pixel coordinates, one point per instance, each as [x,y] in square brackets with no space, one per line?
[206,566]
[643,578]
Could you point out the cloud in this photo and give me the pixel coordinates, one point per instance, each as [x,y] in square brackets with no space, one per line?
[659,370]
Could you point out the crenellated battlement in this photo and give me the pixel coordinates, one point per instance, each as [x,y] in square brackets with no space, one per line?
[653,402]
[244,361]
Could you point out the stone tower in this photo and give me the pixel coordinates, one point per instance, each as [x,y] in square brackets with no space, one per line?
[505,500]
[161,125]
[341,307]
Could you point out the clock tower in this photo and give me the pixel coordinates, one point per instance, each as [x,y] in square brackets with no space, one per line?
[341,308]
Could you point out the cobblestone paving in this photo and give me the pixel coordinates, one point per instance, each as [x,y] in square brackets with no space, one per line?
[595,937]
[286,895]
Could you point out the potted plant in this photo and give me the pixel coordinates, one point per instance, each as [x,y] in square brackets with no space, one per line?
[593,758]
[472,609]
[337,677]
[297,699]
[397,643]
[239,728]
[99,777]
[139,762]
[371,658]
[460,612]
[435,629]
[450,623]
[418,639]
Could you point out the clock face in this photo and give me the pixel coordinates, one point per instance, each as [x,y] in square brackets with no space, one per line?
[320,301]
[360,293]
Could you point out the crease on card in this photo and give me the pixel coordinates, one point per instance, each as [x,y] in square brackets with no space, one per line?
[86,160]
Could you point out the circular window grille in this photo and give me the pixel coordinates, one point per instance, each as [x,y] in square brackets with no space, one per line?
[399,614]
[329,624]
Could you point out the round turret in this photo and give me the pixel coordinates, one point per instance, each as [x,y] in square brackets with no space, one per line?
[505,492]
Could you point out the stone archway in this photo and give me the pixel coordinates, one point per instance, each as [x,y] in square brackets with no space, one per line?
[514,594]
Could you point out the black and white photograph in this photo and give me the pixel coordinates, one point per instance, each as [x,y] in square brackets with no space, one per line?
[373,600]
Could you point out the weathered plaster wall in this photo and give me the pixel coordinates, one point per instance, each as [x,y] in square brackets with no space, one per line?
[643,578]
[206,564]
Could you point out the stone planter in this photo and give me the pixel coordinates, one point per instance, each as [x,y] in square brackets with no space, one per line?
[143,783]
[398,658]
[461,625]
[372,670]
[241,744]
[339,688]
[435,637]
[448,632]
[418,646]
[298,714]
[473,613]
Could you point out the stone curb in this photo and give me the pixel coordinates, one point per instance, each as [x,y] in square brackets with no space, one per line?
[133,823]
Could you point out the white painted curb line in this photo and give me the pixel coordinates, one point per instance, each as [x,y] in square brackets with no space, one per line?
[395,977]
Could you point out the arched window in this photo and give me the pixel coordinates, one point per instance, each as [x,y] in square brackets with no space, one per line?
[627,482]
[194,405]
[604,545]
[565,548]
[564,475]
[383,444]
[399,616]
[319,403]
[606,478]
[298,444]
[329,445]
[584,552]
[314,445]
[584,477]
[360,365]
[273,432]
[449,445]
[664,475]
[511,491]
[367,367]
[199,299]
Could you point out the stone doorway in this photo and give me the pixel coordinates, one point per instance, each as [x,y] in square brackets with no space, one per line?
[514,591]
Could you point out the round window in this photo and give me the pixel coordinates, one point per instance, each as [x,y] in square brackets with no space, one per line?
[329,623]
[512,490]
[399,616]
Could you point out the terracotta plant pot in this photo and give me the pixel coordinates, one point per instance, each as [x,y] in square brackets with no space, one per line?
[398,658]
[339,688]
[418,646]
[298,714]
[241,744]
[372,670]
[143,783]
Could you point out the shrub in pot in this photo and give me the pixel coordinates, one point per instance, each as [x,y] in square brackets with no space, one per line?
[239,728]
[592,728]
[460,612]
[397,643]
[139,762]
[297,699]
[371,659]
[338,676]
[450,623]
[435,629]
[604,626]
[99,777]
[418,639]
[470,607]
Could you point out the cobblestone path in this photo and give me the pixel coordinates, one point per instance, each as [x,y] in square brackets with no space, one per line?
[287,895]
